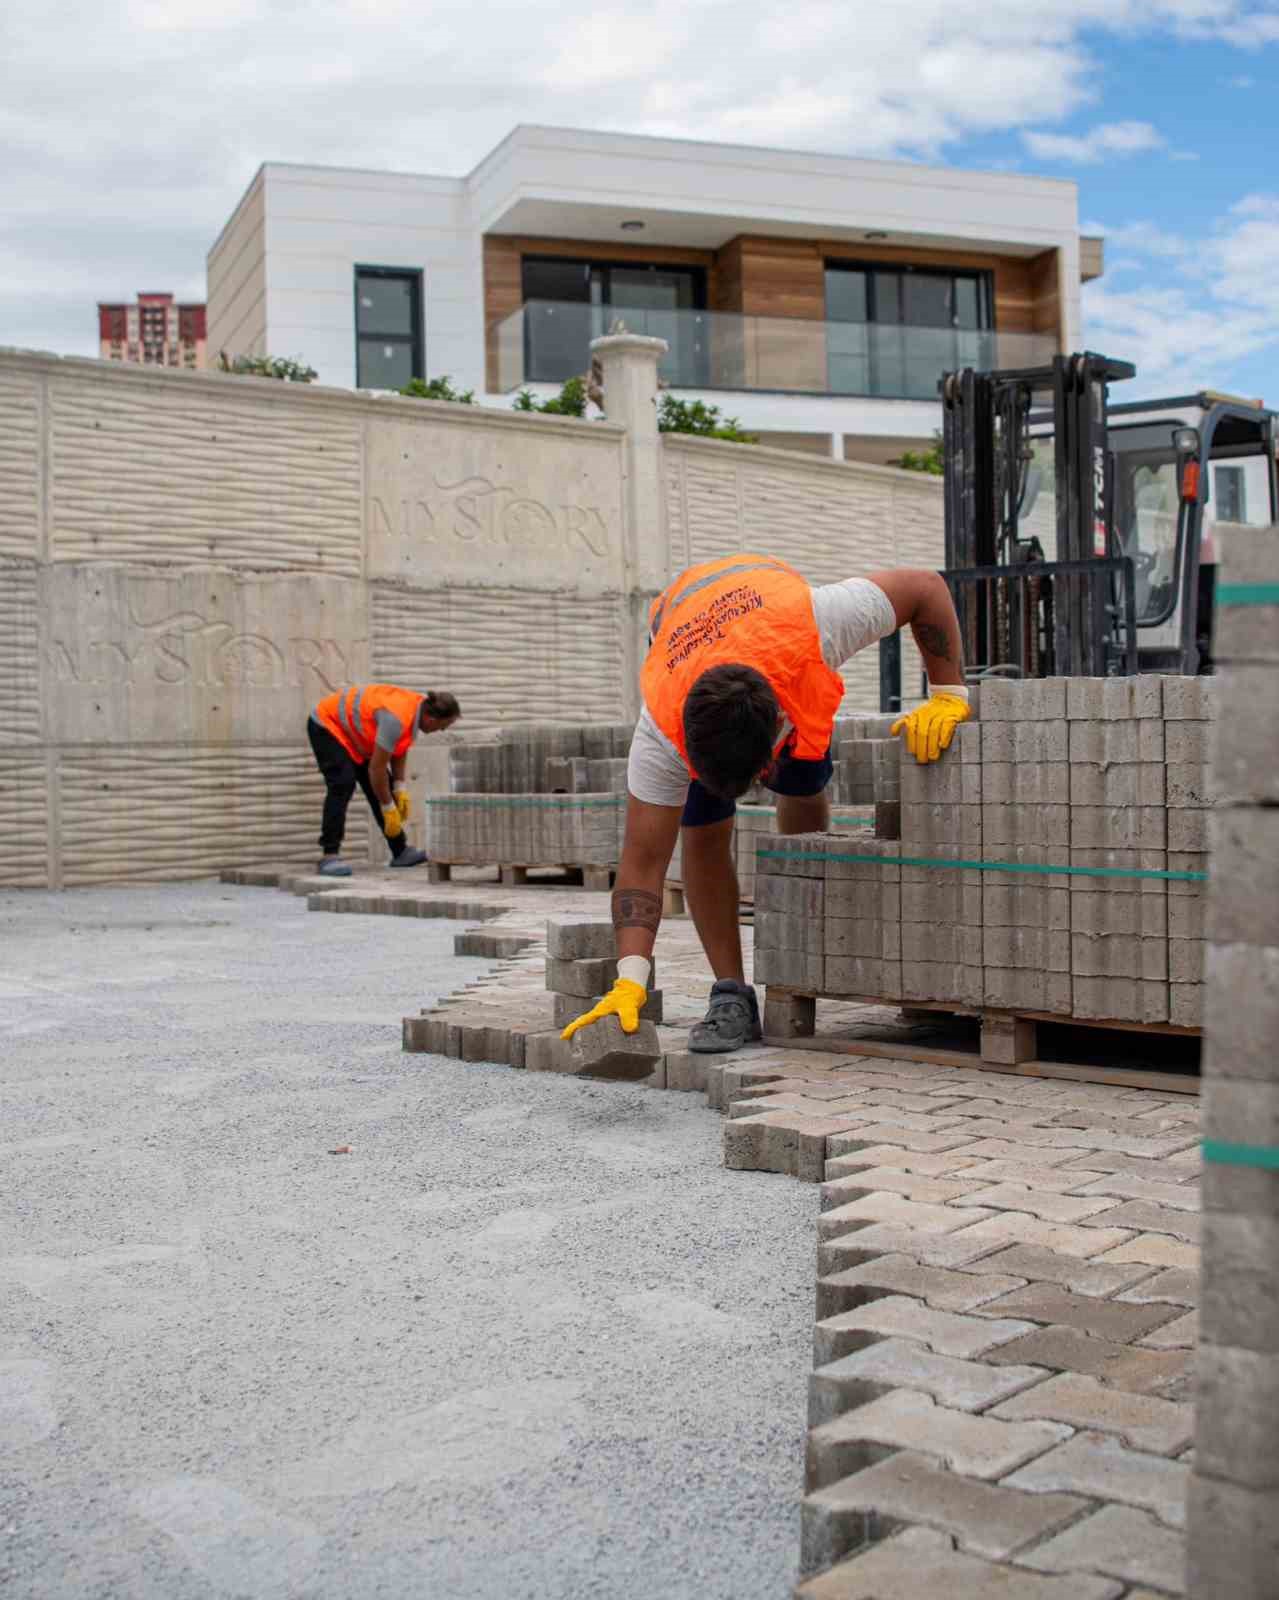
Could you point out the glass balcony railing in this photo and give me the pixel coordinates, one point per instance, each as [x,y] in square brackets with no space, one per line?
[548,341]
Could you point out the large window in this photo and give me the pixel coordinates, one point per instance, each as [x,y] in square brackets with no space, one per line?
[570,302]
[893,330]
[388,327]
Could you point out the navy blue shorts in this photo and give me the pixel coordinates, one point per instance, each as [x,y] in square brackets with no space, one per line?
[787,775]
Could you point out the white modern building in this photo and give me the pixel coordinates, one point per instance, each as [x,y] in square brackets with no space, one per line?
[816,298]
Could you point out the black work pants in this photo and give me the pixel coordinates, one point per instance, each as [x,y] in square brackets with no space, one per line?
[341,774]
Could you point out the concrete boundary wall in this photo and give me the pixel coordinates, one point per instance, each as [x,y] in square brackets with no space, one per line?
[188,561]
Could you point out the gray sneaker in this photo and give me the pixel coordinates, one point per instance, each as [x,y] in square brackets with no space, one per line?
[334,867]
[731,1020]
[408,857]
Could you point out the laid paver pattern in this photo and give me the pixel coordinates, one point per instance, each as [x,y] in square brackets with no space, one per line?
[1007,1275]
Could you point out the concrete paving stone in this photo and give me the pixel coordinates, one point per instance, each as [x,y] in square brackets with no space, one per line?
[855,1379]
[602,1049]
[1106,1319]
[1012,1150]
[1080,1139]
[779,1141]
[1017,1197]
[977,1447]
[900,1317]
[1146,1217]
[1178,1286]
[1240,1304]
[894,1208]
[1146,1422]
[577,941]
[1233,1551]
[941,1287]
[898,1133]
[1179,1197]
[1096,1279]
[801,1104]
[894,1157]
[920,1562]
[889,1238]
[1155,1250]
[1238,1401]
[1181,1334]
[886,1180]
[1030,1175]
[1070,1239]
[986,1519]
[1102,1468]
[1121,1366]
[1184,1167]
[1116,1542]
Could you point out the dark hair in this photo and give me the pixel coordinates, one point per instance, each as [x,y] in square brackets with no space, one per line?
[730,727]
[440,703]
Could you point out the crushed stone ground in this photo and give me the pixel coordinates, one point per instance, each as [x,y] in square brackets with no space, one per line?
[528,1339]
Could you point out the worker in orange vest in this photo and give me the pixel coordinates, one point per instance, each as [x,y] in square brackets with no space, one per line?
[741,683]
[362,735]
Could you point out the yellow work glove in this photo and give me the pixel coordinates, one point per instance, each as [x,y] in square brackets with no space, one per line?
[623,1001]
[403,804]
[392,827]
[930,728]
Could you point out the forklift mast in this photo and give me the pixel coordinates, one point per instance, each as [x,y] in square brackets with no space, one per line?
[1020,614]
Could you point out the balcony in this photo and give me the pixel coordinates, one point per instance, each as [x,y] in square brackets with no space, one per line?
[547,341]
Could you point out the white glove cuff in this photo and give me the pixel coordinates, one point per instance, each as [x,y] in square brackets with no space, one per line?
[637,969]
[958,690]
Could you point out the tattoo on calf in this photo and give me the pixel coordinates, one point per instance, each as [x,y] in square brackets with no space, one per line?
[636,908]
[934,641]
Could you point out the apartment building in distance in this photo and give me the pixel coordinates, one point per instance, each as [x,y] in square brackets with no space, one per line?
[816,298]
[153,331]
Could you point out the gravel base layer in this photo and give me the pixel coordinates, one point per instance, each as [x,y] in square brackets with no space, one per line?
[528,1338]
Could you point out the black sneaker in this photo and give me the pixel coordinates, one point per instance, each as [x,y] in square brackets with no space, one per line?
[408,857]
[731,1020]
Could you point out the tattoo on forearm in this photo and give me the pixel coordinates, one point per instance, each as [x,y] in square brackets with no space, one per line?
[636,908]
[932,640]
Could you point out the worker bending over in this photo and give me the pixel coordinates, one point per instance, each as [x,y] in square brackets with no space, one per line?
[741,683]
[362,736]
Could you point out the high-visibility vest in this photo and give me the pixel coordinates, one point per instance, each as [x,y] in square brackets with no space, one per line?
[349,716]
[749,610]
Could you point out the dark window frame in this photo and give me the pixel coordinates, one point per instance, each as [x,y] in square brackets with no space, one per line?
[415,339]
[697,273]
[984,277]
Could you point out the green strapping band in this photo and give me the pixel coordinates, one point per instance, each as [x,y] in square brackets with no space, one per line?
[537,801]
[1248,594]
[1265,1156]
[991,866]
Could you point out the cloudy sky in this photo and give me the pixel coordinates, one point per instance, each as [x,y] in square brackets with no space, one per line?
[130,128]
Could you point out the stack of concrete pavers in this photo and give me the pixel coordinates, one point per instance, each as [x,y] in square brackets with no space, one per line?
[548,794]
[581,968]
[1234,1492]
[1052,863]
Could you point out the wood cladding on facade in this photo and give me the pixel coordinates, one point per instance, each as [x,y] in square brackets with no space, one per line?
[782,279]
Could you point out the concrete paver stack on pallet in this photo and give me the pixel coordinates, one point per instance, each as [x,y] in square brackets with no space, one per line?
[1103,779]
[1234,1493]
[548,795]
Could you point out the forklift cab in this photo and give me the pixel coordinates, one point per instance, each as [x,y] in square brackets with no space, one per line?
[1180,468]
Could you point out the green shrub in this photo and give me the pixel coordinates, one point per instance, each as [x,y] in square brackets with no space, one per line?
[931,460]
[437,389]
[695,416]
[569,402]
[281,367]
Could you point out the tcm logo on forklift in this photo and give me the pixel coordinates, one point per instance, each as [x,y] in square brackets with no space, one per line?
[1099,537]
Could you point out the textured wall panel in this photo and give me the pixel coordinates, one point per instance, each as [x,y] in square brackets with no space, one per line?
[508,655]
[158,473]
[134,816]
[19,465]
[19,653]
[24,854]
[831,522]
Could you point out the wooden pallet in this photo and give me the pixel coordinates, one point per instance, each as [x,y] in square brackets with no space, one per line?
[1033,1044]
[593,877]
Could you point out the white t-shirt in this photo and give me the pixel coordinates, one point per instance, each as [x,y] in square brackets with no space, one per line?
[849,616]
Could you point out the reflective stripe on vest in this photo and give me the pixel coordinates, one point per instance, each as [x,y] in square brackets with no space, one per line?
[746,610]
[344,715]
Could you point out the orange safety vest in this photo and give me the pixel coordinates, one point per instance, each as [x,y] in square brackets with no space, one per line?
[348,715]
[749,610]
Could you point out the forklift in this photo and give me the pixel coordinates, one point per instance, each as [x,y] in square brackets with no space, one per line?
[1079,534]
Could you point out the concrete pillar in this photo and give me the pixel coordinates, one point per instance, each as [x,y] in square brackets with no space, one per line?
[628,362]
[837,446]
[1233,1529]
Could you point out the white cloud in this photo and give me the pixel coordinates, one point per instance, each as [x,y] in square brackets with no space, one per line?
[1107,139]
[130,128]
[1244,80]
